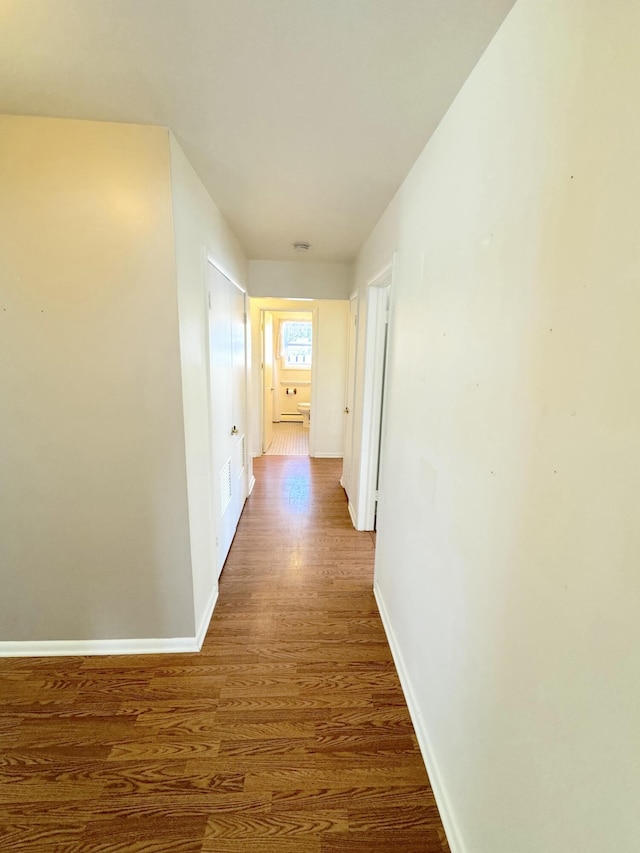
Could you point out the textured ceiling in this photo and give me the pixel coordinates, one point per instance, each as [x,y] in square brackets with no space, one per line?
[301,117]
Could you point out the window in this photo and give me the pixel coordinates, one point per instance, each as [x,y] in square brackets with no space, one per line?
[296,344]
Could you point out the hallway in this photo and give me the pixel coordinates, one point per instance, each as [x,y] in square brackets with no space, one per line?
[288,733]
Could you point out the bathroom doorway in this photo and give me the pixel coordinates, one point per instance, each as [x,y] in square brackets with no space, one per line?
[287,366]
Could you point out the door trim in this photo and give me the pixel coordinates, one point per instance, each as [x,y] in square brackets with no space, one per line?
[377,339]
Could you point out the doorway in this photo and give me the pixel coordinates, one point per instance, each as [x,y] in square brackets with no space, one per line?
[287,368]
[377,336]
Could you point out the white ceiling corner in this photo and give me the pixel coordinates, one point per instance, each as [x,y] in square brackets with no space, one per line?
[301,117]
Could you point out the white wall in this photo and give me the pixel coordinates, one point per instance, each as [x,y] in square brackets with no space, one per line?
[300,279]
[94,540]
[200,232]
[328,374]
[509,535]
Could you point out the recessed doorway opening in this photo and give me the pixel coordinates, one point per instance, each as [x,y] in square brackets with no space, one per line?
[287,368]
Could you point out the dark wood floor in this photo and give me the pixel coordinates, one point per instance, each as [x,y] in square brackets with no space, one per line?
[288,733]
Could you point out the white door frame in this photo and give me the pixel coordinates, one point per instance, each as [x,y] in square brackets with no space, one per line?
[377,337]
[263,384]
[346,480]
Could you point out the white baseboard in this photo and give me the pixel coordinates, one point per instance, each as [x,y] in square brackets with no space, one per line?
[352,514]
[327,455]
[454,836]
[143,646]
[206,618]
[252,483]
[64,648]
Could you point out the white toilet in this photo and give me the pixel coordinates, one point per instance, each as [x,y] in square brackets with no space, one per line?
[305,411]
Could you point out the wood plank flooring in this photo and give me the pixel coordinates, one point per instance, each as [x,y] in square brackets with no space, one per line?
[288,733]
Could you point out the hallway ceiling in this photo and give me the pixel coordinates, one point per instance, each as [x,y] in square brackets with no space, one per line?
[302,117]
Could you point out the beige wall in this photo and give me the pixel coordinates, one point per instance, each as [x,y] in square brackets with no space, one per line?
[200,232]
[300,380]
[300,279]
[93,502]
[509,535]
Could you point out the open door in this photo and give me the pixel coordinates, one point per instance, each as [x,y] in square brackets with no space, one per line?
[347,459]
[227,398]
[267,380]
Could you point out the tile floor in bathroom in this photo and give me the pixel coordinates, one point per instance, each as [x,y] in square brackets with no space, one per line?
[289,439]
